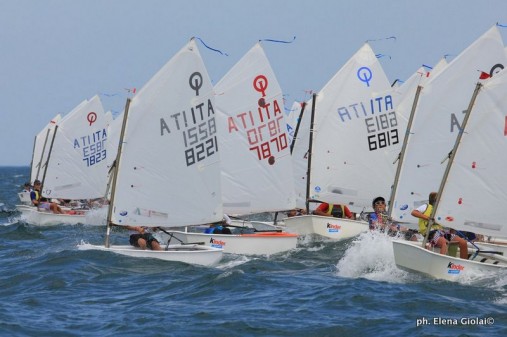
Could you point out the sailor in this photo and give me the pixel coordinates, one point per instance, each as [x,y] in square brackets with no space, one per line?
[334,210]
[143,238]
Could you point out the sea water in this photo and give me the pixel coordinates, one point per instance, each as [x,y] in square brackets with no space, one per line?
[322,288]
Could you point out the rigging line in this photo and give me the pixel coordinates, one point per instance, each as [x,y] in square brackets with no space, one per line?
[384,38]
[205,45]
[278,41]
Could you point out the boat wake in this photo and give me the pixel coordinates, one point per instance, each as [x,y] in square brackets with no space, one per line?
[231,261]
[371,256]
[10,220]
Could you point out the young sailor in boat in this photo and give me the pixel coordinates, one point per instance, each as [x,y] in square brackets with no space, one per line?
[43,203]
[438,237]
[296,212]
[220,227]
[143,238]
[27,187]
[334,210]
[379,219]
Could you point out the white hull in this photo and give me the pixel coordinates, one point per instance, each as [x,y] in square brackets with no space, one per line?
[94,216]
[411,256]
[245,244]
[329,227]
[44,218]
[258,225]
[191,254]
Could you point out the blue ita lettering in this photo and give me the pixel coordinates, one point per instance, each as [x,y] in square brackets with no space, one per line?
[93,147]
[380,120]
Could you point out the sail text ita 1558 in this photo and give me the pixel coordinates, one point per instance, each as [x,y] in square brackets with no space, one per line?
[380,120]
[264,130]
[197,126]
[93,147]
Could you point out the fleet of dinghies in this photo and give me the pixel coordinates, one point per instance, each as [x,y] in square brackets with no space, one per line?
[231,149]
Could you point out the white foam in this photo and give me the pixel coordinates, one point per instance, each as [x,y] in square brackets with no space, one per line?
[232,260]
[97,216]
[371,256]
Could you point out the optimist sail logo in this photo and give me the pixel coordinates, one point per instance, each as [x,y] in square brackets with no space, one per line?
[453,268]
[332,228]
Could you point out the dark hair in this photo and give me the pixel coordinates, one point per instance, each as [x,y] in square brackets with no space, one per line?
[37,181]
[377,199]
[432,198]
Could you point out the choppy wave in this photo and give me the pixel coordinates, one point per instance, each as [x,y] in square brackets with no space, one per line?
[321,288]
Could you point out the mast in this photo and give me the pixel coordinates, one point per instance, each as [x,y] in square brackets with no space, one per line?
[297,127]
[310,144]
[47,161]
[31,162]
[43,151]
[401,155]
[116,165]
[293,143]
[450,157]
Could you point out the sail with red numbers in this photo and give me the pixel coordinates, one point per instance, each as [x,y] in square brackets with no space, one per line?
[254,144]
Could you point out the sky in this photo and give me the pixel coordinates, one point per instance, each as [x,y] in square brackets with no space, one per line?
[56,53]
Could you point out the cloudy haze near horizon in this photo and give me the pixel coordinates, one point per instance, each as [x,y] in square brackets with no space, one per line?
[54,54]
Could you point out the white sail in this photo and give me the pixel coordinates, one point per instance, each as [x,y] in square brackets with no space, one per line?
[475,192]
[300,150]
[356,134]
[169,169]
[114,131]
[292,118]
[420,77]
[77,167]
[437,120]
[408,89]
[253,141]
[438,68]
[41,149]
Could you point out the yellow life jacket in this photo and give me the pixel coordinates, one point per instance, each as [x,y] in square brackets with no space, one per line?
[423,224]
[331,213]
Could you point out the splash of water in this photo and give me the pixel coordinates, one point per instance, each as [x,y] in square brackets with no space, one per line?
[371,256]
[96,216]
